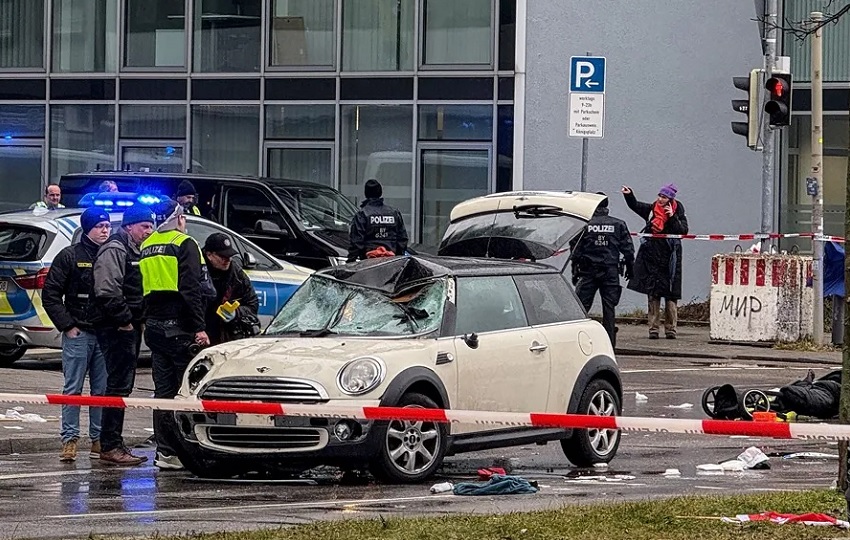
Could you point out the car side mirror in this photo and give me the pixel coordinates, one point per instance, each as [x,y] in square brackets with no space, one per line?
[249,261]
[270,228]
[471,340]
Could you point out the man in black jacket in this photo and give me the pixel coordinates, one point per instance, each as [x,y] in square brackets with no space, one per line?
[596,264]
[231,284]
[186,196]
[68,298]
[118,288]
[176,288]
[376,226]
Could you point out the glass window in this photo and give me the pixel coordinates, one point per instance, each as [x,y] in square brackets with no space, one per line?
[156,33]
[455,122]
[488,304]
[308,164]
[448,178]
[21,121]
[226,139]
[20,168]
[247,206]
[84,37]
[377,35]
[302,33]
[227,35]
[317,209]
[22,32]
[346,309]
[377,143]
[505,149]
[300,122]
[548,299]
[153,122]
[458,32]
[82,138]
[507,34]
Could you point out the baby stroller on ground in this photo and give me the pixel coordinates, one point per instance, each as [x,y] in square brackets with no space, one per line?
[807,397]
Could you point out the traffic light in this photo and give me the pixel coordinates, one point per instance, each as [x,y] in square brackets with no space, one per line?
[778,105]
[749,106]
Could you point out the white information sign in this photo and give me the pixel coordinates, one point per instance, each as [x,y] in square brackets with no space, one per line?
[587,114]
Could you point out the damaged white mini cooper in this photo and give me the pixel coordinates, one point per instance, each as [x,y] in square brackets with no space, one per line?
[490,324]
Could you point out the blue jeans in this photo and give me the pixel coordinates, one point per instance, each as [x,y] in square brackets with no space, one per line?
[81,355]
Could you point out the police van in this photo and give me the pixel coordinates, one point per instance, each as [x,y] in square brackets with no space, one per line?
[31,239]
[301,222]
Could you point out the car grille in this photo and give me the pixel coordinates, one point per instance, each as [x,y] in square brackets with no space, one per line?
[265,389]
[264,438]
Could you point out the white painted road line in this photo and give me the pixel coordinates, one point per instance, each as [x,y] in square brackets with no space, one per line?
[212,509]
[24,476]
[679,370]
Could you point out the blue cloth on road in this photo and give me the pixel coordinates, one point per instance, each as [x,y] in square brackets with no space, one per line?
[833,269]
[497,485]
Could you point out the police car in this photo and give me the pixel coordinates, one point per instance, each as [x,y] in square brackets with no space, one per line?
[31,239]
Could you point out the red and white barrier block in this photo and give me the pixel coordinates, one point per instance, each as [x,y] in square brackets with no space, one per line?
[761,297]
[776,430]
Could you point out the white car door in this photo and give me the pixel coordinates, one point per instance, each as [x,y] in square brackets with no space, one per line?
[508,369]
[554,310]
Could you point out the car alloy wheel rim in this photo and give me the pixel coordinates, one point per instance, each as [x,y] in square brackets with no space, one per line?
[413,446]
[603,441]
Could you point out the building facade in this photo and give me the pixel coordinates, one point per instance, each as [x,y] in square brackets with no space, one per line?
[415,93]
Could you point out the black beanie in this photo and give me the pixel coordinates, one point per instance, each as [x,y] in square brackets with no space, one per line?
[373,189]
[185,188]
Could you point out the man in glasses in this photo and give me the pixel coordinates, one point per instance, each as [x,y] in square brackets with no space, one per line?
[69,300]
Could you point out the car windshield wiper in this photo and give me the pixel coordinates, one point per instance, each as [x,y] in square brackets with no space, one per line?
[537,210]
[316,332]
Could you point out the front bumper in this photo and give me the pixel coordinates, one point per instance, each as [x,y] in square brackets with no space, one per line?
[23,336]
[292,440]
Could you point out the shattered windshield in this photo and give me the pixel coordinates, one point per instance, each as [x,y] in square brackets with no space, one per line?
[323,306]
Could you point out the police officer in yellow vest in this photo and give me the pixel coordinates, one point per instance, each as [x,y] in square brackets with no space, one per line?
[176,287]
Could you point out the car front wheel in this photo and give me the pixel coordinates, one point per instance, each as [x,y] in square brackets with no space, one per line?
[409,451]
[10,355]
[588,446]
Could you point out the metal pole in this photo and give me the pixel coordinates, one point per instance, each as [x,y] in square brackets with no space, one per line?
[816,174]
[768,134]
[584,152]
[584,164]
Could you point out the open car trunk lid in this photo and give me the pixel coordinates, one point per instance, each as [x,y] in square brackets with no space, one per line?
[535,226]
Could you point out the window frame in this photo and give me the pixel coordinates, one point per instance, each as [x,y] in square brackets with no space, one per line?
[422,39]
[268,37]
[274,204]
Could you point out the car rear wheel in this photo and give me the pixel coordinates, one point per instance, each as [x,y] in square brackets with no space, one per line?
[588,446]
[10,354]
[409,451]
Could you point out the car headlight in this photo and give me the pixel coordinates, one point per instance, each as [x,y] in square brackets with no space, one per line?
[360,375]
[197,372]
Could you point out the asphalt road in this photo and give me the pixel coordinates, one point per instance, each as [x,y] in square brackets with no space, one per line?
[42,498]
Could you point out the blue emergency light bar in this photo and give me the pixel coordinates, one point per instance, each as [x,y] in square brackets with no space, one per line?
[118,200]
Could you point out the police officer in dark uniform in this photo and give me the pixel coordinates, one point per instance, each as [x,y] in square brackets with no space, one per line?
[231,284]
[376,226]
[596,263]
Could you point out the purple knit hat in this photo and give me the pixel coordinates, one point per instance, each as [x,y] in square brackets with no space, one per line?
[669,191]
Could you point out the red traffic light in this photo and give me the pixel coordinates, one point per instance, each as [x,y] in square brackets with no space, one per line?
[777,87]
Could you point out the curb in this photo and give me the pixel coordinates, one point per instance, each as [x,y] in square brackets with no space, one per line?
[712,356]
[48,443]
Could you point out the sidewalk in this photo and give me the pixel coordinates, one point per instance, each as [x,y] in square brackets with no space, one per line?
[694,342]
[32,437]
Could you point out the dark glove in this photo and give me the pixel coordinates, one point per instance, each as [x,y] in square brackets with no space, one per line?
[629,272]
[575,280]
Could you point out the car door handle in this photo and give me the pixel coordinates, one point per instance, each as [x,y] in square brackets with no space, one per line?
[536,347]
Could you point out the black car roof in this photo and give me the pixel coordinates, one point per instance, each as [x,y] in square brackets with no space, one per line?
[395,275]
[271,182]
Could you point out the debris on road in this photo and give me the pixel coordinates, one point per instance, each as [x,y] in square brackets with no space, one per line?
[682,406]
[782,519]
[671,472]
[14,415]
[810,455]
[442,487]
[497,485]
[640,398]
[754,458]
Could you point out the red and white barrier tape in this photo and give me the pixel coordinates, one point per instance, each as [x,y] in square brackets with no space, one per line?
[776,430]
[740,237]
